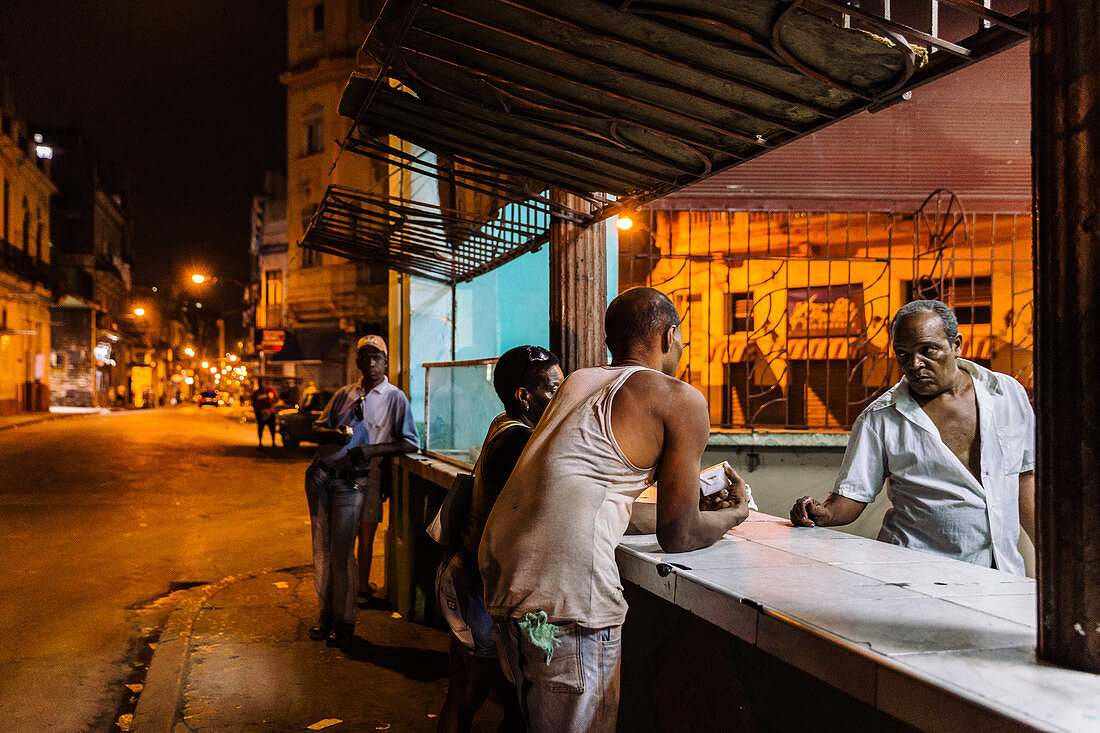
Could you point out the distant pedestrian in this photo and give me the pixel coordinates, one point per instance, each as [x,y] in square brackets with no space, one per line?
[264,400]
[363,422]
[311,388]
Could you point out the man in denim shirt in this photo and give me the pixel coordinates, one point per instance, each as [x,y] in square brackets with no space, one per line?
[363,423]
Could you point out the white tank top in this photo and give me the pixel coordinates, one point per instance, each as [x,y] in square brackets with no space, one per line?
[550,540]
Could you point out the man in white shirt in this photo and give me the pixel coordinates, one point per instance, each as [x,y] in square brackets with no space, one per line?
[954,443]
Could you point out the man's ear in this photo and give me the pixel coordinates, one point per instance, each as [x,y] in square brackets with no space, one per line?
[957,344]
[666,340]
[523,397]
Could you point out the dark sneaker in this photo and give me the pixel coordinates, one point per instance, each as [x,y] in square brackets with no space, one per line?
[342,634]
[322,630]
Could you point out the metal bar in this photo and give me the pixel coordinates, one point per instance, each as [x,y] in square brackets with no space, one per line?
[465,362]
[503,157]
[473,225]
[614,115]
[536,130]
[989,14]
[1065,84]
[928,38]
[383,69]
[511,192]
[607,66]
[688,64]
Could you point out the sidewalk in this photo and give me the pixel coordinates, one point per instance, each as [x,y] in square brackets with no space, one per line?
[236,656]
[29,418]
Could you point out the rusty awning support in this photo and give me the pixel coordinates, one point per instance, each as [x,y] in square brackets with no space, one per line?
[638,99]
[1065,140]
[487,221]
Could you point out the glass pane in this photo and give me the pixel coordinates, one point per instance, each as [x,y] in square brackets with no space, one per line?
[461,404]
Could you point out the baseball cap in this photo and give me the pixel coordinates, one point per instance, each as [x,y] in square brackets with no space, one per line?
[372,340]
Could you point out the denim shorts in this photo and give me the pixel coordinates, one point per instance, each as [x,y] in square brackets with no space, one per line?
[461,599]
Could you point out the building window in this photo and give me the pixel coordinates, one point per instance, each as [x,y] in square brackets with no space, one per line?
[26,227]
[739,313]
[318,17]
[38,236]
[970,297]
[310,257]
[314,137]
[972,300]
[273,287]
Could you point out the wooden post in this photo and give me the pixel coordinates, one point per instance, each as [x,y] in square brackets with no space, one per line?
[578,288]
[1065,139]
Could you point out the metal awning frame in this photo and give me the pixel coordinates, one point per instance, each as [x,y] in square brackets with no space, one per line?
[607,114]
[476,178]
[429,240]
[447,132]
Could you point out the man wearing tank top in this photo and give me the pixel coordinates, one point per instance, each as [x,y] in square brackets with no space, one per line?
[547,555]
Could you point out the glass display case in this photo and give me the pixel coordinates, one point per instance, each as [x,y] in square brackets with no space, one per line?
[459,404]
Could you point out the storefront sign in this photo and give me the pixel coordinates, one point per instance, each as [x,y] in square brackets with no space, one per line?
[834,310]
[270,340]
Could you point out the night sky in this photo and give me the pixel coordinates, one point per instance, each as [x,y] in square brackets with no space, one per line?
[184,95]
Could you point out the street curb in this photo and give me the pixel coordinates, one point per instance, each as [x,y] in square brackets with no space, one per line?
[160,698]
[43,418]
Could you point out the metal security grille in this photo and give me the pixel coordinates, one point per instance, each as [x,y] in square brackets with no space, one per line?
[786,313]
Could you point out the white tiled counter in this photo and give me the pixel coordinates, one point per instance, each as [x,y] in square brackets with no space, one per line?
[939,644]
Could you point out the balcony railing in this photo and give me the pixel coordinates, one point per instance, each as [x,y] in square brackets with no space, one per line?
[26,267]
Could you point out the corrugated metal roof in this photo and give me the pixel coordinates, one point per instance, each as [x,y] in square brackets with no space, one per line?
[969,132]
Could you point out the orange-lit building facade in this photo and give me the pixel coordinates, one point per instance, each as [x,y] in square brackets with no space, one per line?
[27,280]
[786,270]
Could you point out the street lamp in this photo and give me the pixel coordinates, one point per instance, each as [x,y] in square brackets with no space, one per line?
[198,279]
[139,312]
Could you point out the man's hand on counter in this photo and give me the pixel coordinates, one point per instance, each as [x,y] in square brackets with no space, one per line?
[834,511]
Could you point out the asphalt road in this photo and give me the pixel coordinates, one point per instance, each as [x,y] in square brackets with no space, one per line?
[99,517]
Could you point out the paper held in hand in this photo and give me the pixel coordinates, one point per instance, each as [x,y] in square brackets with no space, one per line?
[713,479]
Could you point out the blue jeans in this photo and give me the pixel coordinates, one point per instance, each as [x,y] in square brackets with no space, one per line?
[335,507]
[578,691]
[461,600]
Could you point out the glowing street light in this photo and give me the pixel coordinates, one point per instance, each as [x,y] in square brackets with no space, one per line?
[624,223]
[198,279]
[206,365]
[189,351]
[139,312]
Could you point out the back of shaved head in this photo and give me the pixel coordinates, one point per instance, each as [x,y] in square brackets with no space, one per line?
[640,315]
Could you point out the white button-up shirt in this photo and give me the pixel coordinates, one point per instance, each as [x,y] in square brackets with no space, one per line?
[939,506]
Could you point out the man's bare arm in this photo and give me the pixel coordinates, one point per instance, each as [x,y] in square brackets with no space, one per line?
[837,510]
[681,526]
[1027,504]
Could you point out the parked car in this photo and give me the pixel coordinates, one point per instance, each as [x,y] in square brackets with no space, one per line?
[210,397]
[296,423]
